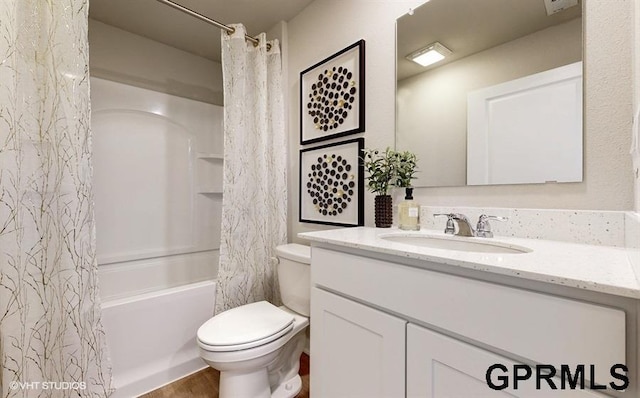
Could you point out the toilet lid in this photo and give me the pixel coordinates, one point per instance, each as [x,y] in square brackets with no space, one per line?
[245,327]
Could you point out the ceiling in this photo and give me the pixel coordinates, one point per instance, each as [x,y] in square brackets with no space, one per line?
[159,22]
[467,27]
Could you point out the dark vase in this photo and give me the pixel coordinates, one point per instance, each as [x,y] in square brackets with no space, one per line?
[383,211]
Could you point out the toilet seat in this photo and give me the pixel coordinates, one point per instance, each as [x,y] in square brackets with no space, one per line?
[245,327]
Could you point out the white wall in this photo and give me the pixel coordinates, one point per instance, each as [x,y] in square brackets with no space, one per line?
[125,57]
[323,28]
[327,26]
[636,90]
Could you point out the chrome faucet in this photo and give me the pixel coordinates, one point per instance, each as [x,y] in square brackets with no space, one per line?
[484,228]
[450,229]
[464,226]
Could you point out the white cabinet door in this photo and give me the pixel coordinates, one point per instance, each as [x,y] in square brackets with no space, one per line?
[357,351]
[439,366]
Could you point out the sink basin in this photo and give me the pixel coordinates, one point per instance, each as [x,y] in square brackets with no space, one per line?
[456,243]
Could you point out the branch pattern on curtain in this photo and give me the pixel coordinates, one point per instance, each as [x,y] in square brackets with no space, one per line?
[52,343]
[254,204]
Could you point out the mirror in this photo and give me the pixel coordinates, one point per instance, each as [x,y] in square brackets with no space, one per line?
[505,106]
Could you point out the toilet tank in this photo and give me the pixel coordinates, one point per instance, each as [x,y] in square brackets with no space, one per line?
[294,273]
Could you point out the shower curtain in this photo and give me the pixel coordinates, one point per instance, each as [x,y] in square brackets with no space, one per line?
[254,203]
[52,343]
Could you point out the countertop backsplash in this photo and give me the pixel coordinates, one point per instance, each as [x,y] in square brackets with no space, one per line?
[592,227]
[632,239]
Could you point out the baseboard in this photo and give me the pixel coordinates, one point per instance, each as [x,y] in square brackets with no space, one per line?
[138,387]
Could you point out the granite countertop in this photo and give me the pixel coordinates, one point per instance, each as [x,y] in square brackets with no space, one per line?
[602,269]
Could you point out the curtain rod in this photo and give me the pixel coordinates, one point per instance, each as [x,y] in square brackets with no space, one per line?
[210,21]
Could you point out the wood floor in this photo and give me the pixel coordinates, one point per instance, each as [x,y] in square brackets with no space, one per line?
[204,384]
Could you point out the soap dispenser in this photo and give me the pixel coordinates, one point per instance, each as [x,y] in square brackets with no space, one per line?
[409,212]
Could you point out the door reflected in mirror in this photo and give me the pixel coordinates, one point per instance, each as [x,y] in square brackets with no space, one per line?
[504,105]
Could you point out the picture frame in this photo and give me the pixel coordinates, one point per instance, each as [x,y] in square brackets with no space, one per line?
[332,184]
[332,95]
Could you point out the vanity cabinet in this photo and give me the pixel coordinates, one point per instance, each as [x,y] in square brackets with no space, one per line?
[442,367]
[389,328]
[360,350]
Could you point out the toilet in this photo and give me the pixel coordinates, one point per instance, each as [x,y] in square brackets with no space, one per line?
[257,347]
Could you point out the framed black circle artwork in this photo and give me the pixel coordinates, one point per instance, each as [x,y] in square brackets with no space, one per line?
[332,96]
[331,184]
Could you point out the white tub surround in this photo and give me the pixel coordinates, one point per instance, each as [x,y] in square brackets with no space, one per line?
[432,321]
[138,277]
[158,188]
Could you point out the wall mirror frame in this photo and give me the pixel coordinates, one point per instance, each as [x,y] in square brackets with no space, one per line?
[506,106]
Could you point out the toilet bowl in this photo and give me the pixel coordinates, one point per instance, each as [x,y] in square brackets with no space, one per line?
[257,347]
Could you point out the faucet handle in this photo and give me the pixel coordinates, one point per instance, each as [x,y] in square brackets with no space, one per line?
[483,229]
[451,226]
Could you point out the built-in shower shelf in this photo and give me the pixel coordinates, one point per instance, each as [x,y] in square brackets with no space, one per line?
[209,173]
[209,156]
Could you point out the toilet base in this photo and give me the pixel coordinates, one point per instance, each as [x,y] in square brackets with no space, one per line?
[289,389]
[245,384]
[256,385]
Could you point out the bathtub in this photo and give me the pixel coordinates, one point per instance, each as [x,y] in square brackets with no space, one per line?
[151,336]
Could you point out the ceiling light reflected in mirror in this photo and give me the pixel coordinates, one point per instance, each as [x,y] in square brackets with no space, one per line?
[430,54]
